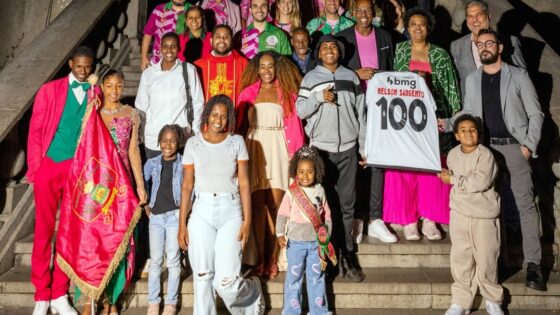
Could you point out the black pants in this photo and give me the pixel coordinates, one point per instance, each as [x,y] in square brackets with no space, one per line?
[340,188]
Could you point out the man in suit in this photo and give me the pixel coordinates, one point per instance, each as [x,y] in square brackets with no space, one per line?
[464,51]
[504,96]
[54,129]
[369,49]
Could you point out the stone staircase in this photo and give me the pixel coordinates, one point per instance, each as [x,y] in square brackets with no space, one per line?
[399,277]
[405,275]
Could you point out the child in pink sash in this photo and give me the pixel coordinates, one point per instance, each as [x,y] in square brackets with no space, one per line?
[303,226]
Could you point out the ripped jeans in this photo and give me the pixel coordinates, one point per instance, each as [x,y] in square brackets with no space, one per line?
[304,258]
[215,256]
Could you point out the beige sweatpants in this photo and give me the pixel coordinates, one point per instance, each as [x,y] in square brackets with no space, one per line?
[475,247]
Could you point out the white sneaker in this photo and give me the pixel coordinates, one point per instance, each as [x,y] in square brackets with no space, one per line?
[430,230]
[41,308]
[493,308]
[62,307]
[411,232]
[358,231]
[455,309]
[377,229]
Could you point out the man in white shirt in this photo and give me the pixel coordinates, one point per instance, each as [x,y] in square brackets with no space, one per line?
[162,95]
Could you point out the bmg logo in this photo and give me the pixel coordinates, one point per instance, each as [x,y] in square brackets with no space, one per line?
[411,83]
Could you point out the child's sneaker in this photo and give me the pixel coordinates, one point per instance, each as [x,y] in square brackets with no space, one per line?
[411,232]
[169,309]
[455,309]
[493,308]
[153,309]
[430,230]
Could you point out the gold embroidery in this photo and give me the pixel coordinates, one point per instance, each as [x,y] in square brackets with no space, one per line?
[221,84]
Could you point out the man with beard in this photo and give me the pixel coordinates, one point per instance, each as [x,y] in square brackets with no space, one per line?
[369,49]
[221,71]
[262,36]
[464,51]
[505,98]
[332,103]
[165,18]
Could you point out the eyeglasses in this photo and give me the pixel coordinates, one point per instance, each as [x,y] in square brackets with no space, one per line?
[487,44]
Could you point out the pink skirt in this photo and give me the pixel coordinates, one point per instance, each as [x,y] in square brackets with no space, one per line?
[409,195]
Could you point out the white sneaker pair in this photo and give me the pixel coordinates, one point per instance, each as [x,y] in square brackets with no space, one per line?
[58,306]
[379,230]
[491,307]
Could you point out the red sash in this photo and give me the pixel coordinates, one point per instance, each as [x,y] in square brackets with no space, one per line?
[325,249]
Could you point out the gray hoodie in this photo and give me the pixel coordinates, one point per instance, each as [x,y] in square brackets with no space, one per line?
[333,127]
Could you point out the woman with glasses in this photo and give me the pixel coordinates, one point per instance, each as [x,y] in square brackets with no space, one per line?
[408,195]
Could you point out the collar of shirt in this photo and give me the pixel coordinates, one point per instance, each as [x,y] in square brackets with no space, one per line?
[267,27]
[159,65]
[300,62]
[72,78]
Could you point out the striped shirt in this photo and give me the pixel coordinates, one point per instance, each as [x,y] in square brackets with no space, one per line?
[162,20]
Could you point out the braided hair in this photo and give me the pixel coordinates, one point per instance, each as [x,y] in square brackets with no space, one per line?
[177,130]
[308,153]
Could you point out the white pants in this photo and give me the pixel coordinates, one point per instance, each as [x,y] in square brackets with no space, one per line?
[215,256]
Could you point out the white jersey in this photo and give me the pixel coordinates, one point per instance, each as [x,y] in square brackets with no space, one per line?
[402,127]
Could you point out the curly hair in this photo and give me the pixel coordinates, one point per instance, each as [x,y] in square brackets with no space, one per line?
[295,16]
[475,120]
[214,100]
[430,20]
[287,76]
[177,130]
[308,153]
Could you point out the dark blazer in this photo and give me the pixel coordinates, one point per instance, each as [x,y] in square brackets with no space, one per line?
[384,49]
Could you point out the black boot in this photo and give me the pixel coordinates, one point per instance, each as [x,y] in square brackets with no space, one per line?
[535,279]
[351,269]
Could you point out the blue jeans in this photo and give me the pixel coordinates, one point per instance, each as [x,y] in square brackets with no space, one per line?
[215,256]
[303,257]
[163,236]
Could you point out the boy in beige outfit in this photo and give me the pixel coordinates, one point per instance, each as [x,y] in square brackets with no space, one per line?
[474,226]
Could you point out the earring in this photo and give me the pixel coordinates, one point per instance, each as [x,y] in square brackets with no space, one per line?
[205,128]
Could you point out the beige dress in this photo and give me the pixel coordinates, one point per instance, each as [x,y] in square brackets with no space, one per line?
[268,150]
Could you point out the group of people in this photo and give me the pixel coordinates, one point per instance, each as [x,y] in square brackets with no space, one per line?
[272,119]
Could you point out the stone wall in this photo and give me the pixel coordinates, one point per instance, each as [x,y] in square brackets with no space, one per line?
[22,20]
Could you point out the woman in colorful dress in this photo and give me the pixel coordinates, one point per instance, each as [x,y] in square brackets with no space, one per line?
[267,118]
[408,195]
[123,122]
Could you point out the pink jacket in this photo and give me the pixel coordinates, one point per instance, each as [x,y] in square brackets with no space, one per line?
[47,110]
[293,128]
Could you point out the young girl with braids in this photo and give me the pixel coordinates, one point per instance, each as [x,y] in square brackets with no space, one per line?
[305,212]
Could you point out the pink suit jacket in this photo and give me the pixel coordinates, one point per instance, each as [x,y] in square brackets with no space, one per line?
[293,128]
[47,110]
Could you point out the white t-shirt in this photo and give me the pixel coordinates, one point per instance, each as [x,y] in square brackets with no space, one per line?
[215,164]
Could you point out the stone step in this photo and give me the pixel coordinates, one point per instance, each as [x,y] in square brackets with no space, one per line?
[420,288]
[132,76]
[372,253]
[130,91]
[135,62]
[127,69]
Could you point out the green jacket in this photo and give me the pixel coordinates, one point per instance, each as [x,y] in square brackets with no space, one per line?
[320,24]
[273,38]
[445,87]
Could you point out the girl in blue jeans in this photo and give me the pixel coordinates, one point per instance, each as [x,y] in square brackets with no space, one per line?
[165,173]
[303,226]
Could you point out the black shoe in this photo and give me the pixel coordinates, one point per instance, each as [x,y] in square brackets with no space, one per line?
[354,275]
[351,269]
[535,279]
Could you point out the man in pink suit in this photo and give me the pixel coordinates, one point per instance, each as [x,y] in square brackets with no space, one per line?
[54,129]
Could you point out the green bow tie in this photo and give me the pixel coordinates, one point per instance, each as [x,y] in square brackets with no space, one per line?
[84,85]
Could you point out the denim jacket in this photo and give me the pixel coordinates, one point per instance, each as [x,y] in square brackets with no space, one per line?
[152,171]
